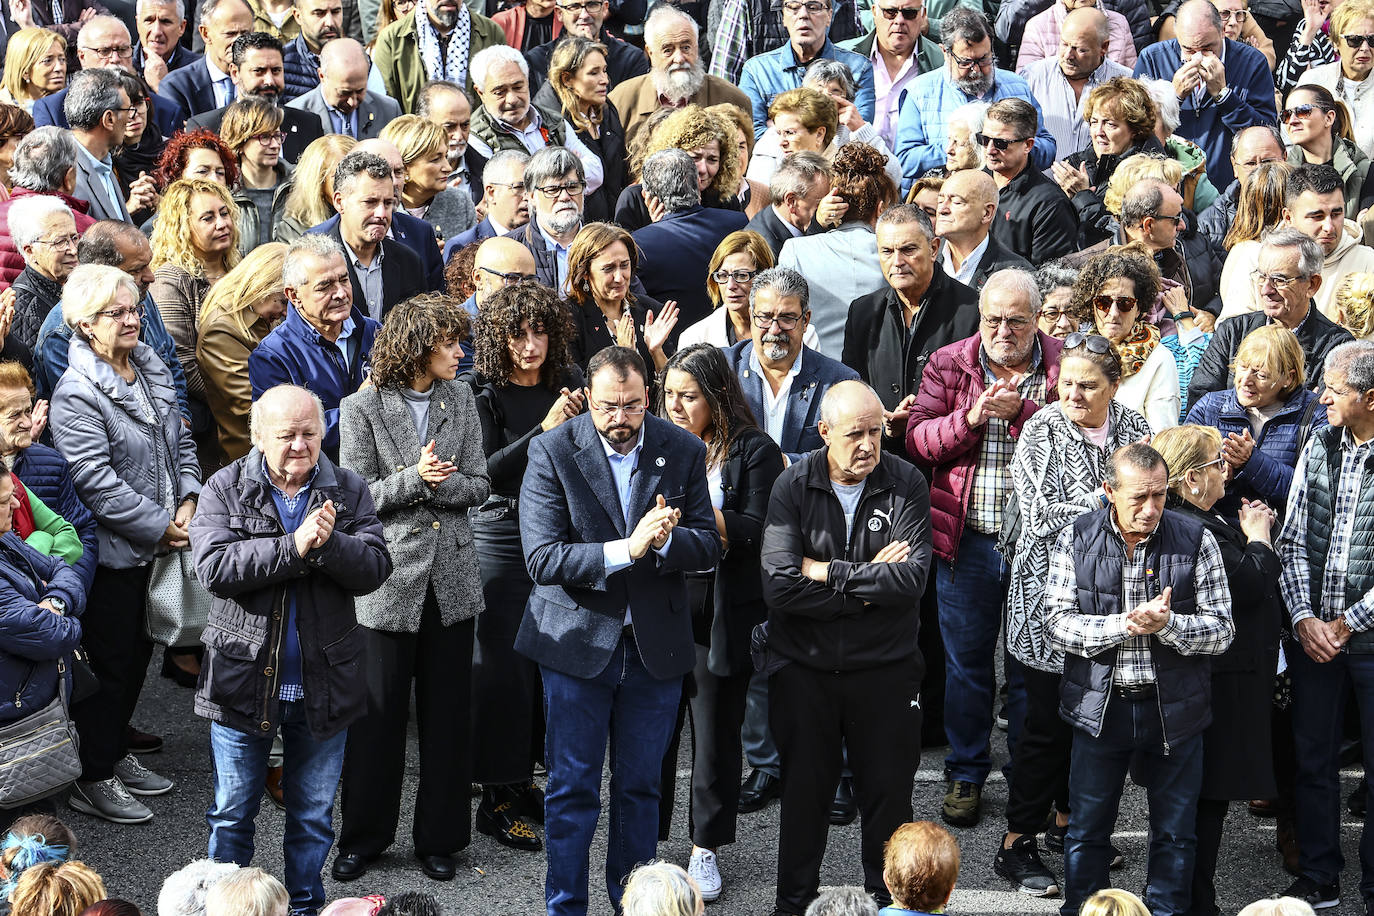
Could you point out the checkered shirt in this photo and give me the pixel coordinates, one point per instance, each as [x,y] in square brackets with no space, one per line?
[731,48]
[991,473]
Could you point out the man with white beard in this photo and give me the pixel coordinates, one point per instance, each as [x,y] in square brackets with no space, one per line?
[676,77]
[557,186]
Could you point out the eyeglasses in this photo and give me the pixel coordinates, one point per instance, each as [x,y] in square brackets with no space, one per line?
[968,63]
[906,12]
[1052,315]
[123,52]
[1219,459]
[130,111]
[1000,143]
[1278,281]
[513,276]
[1175,218]
[1094,343]
[993,322]
[629,410]
[270,137]
[1358,41]
[763,321]
[555,191]
[1301,111]
[1122,304]
[65,241]
[517,186]
[121,314]
[811,8]
[739,276]
[1233,15]
[591,6]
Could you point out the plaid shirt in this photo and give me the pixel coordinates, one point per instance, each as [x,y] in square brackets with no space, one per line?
[991,473]
[1206,631]
[731,48]
[1295,581]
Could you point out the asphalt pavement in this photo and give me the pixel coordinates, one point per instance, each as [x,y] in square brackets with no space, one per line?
[495,880]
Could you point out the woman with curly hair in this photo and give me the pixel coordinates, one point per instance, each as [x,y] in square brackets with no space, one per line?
[577,84]
[526,384]
[1119,289]
[238,314]
[842,264]
[311,200]
[198,153]
[413,436]
[195,243]
[753,195]
[252,129]
[711,142]
[601,266]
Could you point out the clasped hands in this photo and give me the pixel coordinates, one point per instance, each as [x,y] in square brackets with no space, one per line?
[1151,616]
[654,528]
[316,529]
[432,469]
[1322,640]
[1000,400]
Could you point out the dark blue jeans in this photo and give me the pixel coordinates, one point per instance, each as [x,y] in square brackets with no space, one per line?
[310,777]
[970,593]
[637,712]
[1319,692]
[1132,741]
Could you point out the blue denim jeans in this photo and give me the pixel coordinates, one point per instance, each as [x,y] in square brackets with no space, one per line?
[310,777]
[1319,696]
[636,712]
[970,593]
[1132,741]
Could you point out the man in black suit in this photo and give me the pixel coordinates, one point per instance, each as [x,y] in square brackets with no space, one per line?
[206,85]
[383,271]
[587,18]
[965,209]
[507,207]
[615,509]
[255,66]
[675,251]
[799,184]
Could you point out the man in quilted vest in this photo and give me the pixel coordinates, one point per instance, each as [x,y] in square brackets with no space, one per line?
[1328,587]
[1138,601]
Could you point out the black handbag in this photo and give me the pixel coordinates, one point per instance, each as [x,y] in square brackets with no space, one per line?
[84,682]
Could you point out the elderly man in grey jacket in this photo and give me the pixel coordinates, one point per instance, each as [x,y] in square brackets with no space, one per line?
[284,540]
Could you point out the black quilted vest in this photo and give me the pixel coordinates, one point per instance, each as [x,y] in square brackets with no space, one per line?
[1323,480]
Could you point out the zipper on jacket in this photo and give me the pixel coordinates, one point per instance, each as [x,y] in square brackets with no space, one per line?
[273,659]
[1159,702]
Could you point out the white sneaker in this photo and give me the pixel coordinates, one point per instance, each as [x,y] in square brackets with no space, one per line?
[704,872]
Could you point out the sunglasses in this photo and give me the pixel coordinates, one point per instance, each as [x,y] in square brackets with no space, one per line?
[1123,304]
[1301,111]
[1095,343]
[999,143]
[1176,219]
[1358,41]
[906,12]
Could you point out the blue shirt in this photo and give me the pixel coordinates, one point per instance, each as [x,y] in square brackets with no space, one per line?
[560,257]
[922,129]
[103,169]
[616,554]
[346,124]
[768,74]
[292,510]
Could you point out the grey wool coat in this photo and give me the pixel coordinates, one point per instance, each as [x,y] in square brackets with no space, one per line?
[426,528]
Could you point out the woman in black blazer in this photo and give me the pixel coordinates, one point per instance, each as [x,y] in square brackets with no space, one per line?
[701,394]
[1236,747]
[577,83]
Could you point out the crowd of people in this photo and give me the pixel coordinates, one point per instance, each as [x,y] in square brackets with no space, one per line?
[815,381]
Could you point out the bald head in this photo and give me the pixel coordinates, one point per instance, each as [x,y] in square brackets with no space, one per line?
[1088,21]
[343,74]
[343,53]
[1083,42]
[965,208]
[500,256]
[1255,146]
[1198,28]
[852,428]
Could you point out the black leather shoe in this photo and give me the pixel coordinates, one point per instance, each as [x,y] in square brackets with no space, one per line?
[349,866]
[440,868]
[844,808]
[142,742]
[758,790]
[498,819]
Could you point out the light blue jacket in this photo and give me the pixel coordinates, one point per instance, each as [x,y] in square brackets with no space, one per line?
[767,75]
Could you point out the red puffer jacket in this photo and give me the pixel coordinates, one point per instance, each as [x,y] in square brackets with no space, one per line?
[938,434]
[11,261]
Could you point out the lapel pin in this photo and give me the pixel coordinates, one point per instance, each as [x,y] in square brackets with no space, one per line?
[660,461]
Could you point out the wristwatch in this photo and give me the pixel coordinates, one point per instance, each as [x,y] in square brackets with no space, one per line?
[58,605]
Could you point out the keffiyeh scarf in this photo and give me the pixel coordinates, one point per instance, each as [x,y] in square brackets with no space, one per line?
[1137,347]
[454,65]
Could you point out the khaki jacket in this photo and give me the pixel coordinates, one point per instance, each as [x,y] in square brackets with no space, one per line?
[397,56]
[636,99]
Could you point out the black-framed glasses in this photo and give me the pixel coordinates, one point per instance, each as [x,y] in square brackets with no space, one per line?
[739,276]
[1094,343]
[765,321]
[591,6]
[1358,41]
[1175,218]
[968,63]
[508,277]
[1000,143]
[1122,304]
[993,322]
[811,7]
[1278,281]
[555,191]
[906,12]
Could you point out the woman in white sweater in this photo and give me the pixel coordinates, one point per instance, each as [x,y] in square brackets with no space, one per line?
[1119,288]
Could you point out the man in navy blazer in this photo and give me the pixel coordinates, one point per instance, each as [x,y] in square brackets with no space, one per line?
[614,509]
[796,376]
[219,23]
[676,251]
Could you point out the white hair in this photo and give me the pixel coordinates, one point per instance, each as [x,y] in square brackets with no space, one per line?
[661,15]
[96,22]
[27,215]
[256,430]
[1162,91]
[183,893]
[484,60]
[970,115]
[179,4]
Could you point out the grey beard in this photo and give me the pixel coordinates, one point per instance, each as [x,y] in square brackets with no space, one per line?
[561,223]
[447,19]
[975,86]
[679,85]
[774,346]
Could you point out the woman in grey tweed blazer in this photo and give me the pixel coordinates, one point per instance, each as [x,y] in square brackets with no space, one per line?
[413,436]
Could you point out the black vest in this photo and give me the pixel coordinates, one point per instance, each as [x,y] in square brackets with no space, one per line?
[1184,682]
[1323,481]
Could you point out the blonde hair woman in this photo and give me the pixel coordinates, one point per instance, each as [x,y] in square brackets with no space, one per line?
[311,200]
[1113,902]
[195,243]
[56,889]
[252,129]
[246,892]
[661,889]
[238,314]
[424,149]
[754,194]
[1355,305]
[35,66]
